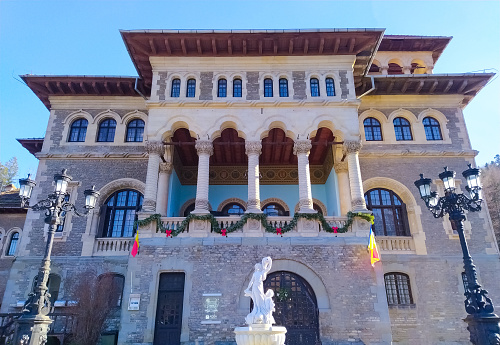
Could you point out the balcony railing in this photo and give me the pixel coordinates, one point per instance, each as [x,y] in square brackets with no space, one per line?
[396,244]
[113,246]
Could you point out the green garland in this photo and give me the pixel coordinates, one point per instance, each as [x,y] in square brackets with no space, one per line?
[256,216]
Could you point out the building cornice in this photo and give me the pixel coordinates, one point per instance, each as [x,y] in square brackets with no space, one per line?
[367,153]
[253,104]
[97,102]
[88,155]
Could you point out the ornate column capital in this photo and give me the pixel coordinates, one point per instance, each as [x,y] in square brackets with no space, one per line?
[340,166]
[155,147]
[253,147]
[302,147]
[166,168]
[204,147]
[351,146]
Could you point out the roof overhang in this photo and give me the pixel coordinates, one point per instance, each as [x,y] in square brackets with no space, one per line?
[434,44]
[143,44]
[33,145]
[467,85]
[45,86]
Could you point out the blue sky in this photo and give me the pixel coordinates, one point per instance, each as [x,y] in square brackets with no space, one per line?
[82,37]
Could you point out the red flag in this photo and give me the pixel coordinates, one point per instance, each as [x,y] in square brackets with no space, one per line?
[135,248]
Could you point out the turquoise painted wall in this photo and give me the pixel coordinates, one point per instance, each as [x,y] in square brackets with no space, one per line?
[327,193]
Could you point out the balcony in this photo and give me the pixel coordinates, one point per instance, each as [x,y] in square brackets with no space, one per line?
[396,245]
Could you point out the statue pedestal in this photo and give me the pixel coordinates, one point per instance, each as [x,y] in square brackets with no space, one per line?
[260,334]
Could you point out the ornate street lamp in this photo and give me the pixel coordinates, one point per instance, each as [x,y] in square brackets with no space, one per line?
[483,324]
[34,322]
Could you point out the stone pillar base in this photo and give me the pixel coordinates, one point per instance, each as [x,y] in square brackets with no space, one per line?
[199,228]
[260,335]
[484,329]
[361,227]
[253,228]
[308,228]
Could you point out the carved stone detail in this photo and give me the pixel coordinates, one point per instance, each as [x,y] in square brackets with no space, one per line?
[155,147]
[149,205]
[340,167]
[253,147]
[253,204]
[253,224]
[305,203]
[166,168]
[201,204]
[315,202]
[351,146]
[359,202]
[302,147]
[189,203]
[204,147]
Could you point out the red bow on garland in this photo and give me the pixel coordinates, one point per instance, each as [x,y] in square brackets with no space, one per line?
[278,232]
[335,228]
[169,233]
[224,232]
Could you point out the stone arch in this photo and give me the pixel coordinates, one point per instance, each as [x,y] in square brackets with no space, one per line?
[174,124]
[376,114]
[317,202]
[76,114]
[116,185]
[280,202]
[403,113]
[298,268]
[324,121]
[106,114]
[190,202]
[420,63]
[225,122]
[276,121]
[412,208]
[439,117]
[230,201]
[136,114]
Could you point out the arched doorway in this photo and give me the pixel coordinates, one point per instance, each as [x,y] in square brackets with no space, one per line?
[296,307]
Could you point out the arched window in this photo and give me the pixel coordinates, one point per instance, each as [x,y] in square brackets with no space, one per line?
[11,250]
[191,88]
[389,212]
[314,87]
[268,87]
[373,130]
[78,130]
[397,288]
[189,209]
[135,131]
[107,131]
[330,87]
[402,128]
[233,209]
[283,87]
[237,88]
[120,213]
[274,210]
[394,68]
[176,88]
[222,88]
[432,129]
[113,284]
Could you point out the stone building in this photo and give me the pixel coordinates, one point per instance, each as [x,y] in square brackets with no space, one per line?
[221,126]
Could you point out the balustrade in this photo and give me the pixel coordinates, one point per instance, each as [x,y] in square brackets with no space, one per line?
[393,244]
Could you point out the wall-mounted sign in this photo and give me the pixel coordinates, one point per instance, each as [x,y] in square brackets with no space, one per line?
[211,307]
[134,301]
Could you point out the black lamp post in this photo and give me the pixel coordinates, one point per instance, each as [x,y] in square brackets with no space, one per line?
[34,323]
[483,324]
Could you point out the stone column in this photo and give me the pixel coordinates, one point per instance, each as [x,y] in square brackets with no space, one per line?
[205,150]
[384,69]
[406,69]
[253,150]
[155,150]
[351,150]
[302,149]
[344,187]
[163,185]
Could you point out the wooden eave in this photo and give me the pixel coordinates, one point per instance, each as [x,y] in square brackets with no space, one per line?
[45,86]
[33,145]
[143,44]
[467,85]
[434,44]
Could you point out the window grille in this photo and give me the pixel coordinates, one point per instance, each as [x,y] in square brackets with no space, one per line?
[78,130]
[237,88]
[330,87]
[432,129]
[222,88]
[176,88]
[135,131]
[268,87]
[402,129]
[191,88]
[398,290]
[283,87]
[314,87]
[107,131]
[373,129]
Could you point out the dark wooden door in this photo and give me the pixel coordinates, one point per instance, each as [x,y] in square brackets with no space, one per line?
[296,307]
[168,322]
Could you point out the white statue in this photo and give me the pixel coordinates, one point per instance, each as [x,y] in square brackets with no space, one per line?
[263,305]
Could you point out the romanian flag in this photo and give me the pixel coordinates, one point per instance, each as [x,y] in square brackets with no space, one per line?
[135,248]
[372,246]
